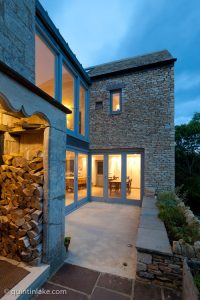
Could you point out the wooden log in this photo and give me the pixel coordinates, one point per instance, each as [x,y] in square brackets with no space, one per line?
[36,215]
[38,192]
[36,240]
[19,161]
[7,159]
[24,241]
[36,226]
[32,234]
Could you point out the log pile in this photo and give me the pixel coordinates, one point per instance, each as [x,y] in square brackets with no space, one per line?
[21,211]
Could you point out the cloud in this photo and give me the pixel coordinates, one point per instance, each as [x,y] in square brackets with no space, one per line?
[186,81]
[185,110]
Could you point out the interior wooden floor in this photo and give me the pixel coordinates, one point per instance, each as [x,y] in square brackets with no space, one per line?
[98,192]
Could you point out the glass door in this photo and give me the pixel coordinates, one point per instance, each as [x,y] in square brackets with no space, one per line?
[70,178]
[82,175]
[97,176]
[76,178]
[133,176]
[115,176]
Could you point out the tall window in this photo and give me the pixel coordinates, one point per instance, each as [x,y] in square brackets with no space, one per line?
[115,101]
[68,85]
[44,67]
[82,111]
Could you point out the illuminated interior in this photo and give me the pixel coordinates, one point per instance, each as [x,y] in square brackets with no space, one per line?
[114,176]
[116,101]
[70,170]
[133,177]
[44,67]
[68,84]
[82,175]
[115,179]
[82,111]
[97,188]
[76,178]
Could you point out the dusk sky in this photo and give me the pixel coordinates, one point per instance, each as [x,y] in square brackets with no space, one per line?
[100,31]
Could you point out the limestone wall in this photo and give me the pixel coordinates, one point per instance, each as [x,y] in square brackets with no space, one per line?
[146,121]
[17,36]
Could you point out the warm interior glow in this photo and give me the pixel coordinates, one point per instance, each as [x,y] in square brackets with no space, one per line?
[114,175]
[70,165]
[116,101]
[44,67]
[133,172]
[68,84]
[97,182]
[82,175]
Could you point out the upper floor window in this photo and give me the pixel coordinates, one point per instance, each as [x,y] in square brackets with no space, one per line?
[44,67]
[82,110]
[116,101]
[68,99]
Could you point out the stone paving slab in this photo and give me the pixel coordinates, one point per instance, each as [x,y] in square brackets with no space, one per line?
[77,278]
[103,294]
[79,283]
[146,292]
[153,240]
[67,295]
[10,275]
[151,222]
[116,283]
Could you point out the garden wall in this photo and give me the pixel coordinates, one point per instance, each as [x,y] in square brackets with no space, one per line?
[156,262]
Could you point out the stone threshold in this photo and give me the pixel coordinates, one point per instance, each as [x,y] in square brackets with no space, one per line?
[36,277]
[152,235]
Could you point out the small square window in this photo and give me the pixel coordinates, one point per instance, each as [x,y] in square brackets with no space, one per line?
[116,101]
[99,105]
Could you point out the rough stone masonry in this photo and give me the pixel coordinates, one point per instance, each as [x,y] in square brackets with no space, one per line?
[146,121]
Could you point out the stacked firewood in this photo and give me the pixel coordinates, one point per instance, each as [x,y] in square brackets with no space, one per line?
[21,212]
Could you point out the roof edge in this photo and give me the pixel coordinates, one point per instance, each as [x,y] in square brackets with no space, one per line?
[46,20]
[33,88]
[134,69]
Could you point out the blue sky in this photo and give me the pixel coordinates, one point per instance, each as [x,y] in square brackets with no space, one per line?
[102,30]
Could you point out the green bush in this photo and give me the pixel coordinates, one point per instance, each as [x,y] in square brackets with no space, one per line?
[196,278]
[174,219]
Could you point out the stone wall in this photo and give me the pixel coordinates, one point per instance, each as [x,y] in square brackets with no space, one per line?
[160,269]
[146,121]
[17,35]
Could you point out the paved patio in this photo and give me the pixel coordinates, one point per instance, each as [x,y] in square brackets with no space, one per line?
[103,238]
[77,283]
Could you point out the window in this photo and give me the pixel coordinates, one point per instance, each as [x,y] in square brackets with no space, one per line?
[68,85]
[44,67]
[115,103]
[82,111]
[99,105]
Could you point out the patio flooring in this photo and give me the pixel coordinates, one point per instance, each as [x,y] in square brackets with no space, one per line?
[77,283]
[103,238]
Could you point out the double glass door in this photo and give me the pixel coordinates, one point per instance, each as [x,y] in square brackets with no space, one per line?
[76,178]
[116,176]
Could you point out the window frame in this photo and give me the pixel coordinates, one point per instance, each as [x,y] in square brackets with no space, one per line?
[111,101]
[62,59]
[53,49]
[74,75]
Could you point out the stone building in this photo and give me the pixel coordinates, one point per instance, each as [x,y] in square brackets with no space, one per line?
[142,118]
[113,146]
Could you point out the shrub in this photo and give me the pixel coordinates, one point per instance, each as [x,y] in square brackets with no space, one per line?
[175,220]
[196,278]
